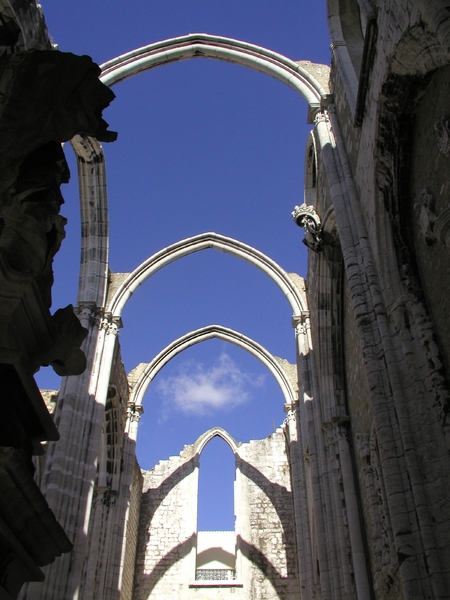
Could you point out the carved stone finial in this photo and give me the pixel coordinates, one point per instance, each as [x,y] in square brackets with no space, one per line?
[425,216]
[305,216]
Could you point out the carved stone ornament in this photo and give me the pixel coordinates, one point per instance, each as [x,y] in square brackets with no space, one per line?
[305,216]
[426,218]
[442,129]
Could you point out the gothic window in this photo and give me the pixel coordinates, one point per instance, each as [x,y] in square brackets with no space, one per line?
[216,539]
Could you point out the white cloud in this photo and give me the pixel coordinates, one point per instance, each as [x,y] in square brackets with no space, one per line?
[197,390]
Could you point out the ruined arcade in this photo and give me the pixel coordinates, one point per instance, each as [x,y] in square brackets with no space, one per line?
[349,497]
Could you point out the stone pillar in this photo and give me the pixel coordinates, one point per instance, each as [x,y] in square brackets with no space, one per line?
[300,503]
[126,509]
[311,448]
[360,572]
[71,465]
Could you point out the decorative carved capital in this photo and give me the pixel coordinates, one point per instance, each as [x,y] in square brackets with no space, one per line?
[134,411]
[321,117]
[338,427]
[301,323]
[305,216]
[88,313]
[110,324]
[291,413]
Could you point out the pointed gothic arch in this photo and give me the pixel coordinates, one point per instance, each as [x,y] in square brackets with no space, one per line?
[206,437]
[199,242]
[207,333]
[219,48]
[90,156]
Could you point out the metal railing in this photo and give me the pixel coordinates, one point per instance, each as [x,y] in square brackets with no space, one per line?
[215,575]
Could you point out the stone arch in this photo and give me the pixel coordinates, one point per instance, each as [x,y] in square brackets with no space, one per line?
[206,437]
[207,333]
[91,167]
[199,242]
[219,48]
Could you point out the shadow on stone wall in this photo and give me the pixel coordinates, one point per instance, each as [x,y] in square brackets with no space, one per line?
[144,588]
[153,497]
[280,498]
[282,502]
[270,572]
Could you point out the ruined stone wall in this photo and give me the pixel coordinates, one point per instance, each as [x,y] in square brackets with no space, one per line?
[116,497]
[427,216]
[266,560]
[375,511]
[132,532]
[165,562]
[265,524]
[397,274]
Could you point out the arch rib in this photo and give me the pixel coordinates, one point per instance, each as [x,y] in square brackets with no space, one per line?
[207,333]
[220,48]
[195,244]
[206,437]
[92,177]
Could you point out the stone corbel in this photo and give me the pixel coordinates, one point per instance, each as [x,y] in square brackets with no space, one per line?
[305,216]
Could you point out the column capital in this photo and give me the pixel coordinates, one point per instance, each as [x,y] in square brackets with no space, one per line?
[301,322]
[134,411]
[88,313]
[111,323]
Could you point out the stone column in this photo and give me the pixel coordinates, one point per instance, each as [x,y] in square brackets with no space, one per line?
[71,465]
[127,544]
[300,503]
[360,572]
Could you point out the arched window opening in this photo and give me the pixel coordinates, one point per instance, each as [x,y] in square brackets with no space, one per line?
[216,540]
[352,31]
[310,193]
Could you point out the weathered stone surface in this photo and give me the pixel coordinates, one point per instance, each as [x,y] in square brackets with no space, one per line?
[351,500]
[265,557]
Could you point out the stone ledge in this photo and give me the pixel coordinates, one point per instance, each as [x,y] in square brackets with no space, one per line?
[215,583]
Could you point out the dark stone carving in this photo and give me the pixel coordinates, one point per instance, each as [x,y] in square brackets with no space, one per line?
[46,97]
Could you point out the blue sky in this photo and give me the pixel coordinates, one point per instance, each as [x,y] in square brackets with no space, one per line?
[203,146]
